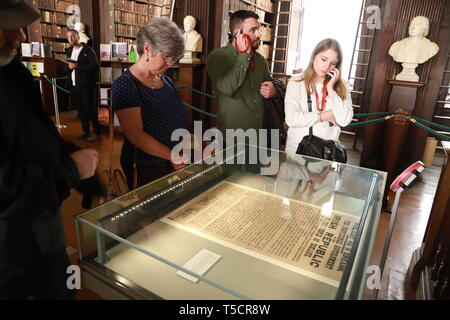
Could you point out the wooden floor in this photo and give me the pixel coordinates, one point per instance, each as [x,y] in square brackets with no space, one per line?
[409,228]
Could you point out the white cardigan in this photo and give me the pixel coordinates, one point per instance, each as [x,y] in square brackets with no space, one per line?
[299,119]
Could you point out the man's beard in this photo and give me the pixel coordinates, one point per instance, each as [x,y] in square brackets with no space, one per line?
[7,54]
[256,44]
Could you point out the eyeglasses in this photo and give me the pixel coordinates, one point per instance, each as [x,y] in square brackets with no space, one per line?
[169,58]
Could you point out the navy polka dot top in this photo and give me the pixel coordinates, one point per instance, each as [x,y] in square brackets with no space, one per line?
[161,111]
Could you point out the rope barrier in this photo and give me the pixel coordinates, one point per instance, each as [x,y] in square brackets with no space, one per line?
[429,130]
[199,110]
[363,123]
[198,91]
[368,115]
[54,84]
[432,124]
[387,115]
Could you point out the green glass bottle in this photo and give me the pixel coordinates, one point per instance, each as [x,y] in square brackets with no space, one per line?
[132,54]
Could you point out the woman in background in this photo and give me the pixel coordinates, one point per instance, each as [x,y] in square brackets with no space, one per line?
[331,100]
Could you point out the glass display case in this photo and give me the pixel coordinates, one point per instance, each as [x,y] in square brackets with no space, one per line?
[288,227]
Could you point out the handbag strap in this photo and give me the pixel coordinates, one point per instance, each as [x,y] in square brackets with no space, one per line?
[310,110]
[136,90]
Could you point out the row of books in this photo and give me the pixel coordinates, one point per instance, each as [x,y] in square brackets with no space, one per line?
[267,33]
[57,4]
[59,56]
[150,11]
[126,30]
[126,40]
[139,7]
[266,4]
[264,50]
[53,31]
[261,14]
[125,4]
[131,6]
[57,46]
[36,49]
[108,75]
[126,17]
[161,2]
[118,51]
[236,5]
[54,17]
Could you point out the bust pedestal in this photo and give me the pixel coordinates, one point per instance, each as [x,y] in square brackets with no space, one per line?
[408,73]
[402,99]
[190,57]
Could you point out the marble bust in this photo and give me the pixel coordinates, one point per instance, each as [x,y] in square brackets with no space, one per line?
[193,41]
[81,31]
[414,50]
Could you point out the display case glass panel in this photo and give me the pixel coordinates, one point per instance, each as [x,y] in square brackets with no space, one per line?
[284,227]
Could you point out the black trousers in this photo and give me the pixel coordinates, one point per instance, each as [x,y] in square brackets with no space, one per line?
[84,99]
[44,278]
[145,175]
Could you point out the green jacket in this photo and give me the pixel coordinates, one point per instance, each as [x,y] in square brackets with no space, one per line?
[238,89]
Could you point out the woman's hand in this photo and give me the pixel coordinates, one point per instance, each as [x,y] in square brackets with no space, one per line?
[180,161]
[328,116]
[86,161]
[335,75]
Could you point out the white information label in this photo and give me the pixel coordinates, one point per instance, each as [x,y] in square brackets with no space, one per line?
[200,264]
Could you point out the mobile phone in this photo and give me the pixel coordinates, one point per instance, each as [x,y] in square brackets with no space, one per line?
[236,32]
[328,76]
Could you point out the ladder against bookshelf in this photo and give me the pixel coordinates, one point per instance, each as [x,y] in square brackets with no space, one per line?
[281,43]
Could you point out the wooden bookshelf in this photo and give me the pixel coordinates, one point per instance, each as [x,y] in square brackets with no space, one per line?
[266,10]
[129,15]
[52,27]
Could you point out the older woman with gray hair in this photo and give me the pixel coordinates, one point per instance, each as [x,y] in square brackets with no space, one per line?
[148,105]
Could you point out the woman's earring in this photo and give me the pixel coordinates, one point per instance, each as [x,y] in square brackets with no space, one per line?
[147,59]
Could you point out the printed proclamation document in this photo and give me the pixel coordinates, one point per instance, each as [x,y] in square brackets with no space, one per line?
[291,232]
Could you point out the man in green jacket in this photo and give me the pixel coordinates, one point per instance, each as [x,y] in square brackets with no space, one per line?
[240,76]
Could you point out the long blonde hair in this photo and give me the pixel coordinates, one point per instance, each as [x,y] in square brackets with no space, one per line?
[309,74]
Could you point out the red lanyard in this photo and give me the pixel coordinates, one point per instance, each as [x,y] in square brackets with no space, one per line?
[321,107]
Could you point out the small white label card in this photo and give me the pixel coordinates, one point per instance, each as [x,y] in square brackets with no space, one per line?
[200,264]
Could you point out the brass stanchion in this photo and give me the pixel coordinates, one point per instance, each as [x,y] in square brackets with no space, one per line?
[59,125]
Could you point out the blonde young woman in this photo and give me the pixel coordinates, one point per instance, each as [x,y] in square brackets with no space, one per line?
[331,100]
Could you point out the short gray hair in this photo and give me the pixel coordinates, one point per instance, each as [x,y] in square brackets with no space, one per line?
[161,34]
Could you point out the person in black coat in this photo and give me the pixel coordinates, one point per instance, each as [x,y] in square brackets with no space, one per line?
[83,77]
[37,170]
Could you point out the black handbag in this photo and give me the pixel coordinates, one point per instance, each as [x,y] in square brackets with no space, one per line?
[313,146]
